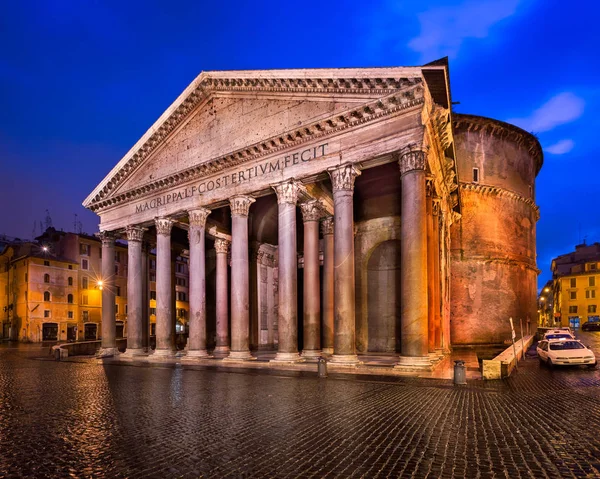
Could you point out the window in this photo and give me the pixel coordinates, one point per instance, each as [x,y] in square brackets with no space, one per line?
[70,314]
[46,278]
[84,264]
[593,266]
[46,263]
[181,313]
[70,266]
[152,264]
[46,295]
[180,268]
[152,311]
[573,309]
[591,308]
[590,294]
[70,299]
[46,313]
[573,295]
[181,296]
[85,249]
[152,277]
[475,175]
[126,309]
[85,315]
[84,283]
[152,294]
[573,282]
[118,256]
[84,299]
[70,281]
[116,309]
[180,281]
[592,280]
[118,290]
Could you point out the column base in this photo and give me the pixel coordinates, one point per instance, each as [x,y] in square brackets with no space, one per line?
[197,354]
[441,353]
[414,363]
[345,359]
[287,358]
[434,357]
[327,351]
[133,352]
[107,353]
[163,353]
[239,356]
[311,353]
[221,350]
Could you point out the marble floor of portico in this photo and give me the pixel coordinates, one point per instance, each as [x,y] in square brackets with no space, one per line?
[376,364]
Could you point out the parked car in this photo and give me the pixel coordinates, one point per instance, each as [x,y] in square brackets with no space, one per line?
[565,352]
[590,326]
[561,333]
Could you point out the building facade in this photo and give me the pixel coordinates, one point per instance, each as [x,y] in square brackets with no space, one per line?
[576,279]
[347,202]
[53,289]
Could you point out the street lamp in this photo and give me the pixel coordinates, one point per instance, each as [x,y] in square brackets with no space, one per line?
[99,285]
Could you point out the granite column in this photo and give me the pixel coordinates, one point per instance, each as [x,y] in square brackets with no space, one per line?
[222,313]
[135,284]
[165,337]
[328,288]
[108,345]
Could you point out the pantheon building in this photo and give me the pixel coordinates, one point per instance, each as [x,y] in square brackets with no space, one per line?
[324,211]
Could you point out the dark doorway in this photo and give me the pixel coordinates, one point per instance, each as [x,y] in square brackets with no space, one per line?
[120,327]
[90,331]
[50,332]
[383,297]
[71,332]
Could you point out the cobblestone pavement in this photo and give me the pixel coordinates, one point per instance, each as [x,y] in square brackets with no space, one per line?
[85,419]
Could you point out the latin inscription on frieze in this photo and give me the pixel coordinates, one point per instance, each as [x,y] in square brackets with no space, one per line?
[239,176]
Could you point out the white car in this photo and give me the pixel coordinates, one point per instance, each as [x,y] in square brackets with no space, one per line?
[562,333]
[565,352]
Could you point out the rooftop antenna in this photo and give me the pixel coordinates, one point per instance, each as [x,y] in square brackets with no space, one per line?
[48,220]
[33,233]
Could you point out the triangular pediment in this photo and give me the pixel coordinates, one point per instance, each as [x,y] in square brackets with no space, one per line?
[224,118]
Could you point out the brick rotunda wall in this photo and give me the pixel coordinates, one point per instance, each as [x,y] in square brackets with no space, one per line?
[493,252]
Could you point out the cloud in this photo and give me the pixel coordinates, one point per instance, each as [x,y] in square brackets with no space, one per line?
[443,29]
[560,109]
[560,148]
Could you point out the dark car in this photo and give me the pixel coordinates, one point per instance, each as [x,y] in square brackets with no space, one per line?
[587,326]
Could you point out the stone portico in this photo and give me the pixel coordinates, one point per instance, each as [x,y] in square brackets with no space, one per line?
[324,200]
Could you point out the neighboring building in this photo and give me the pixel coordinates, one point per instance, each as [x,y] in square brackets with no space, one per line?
[53,289]
[428,216]
[576,282]
[546,305]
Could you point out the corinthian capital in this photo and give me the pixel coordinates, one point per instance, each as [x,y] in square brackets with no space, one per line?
[221,245]
[412,160]
[197,217]
[240,205]
[342,177]
[327,226]
[107,238]
[287,192]
[311,211]
[135,233]
[163,226]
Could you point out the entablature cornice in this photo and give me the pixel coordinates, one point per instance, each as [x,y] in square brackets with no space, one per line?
[501,192]
[394,103]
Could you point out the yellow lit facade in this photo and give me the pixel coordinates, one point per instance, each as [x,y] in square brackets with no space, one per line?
[576,294]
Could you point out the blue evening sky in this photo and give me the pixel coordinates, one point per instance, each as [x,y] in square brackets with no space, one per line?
[82,80]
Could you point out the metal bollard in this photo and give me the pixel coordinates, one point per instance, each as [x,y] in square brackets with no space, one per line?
[460,372]
[322,367]
[57,354]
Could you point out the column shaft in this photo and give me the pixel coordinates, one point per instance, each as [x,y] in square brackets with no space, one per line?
[109,328]
[311,214]
[240,287]
[328,282]
[197,286]
[430,266]
[165,338]
[344,346]
[437,293]
[413,251]
[287,196]
[135,282]
[222,313]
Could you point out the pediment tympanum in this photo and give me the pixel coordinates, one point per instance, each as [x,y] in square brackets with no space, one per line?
[224,119]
